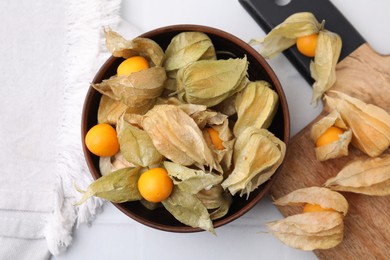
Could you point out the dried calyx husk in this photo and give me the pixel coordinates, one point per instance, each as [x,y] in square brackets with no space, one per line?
[108,165]
[120,47]
[209,82]
[136,145]
[216,200]
[370,124]
[256,106]
[337,148]
[204,185]
[186,48]
[118,186]
[257,155]
[110,110]
[323,68]
[312,230]
[370,176]
[177,137]
[283,36]
[220,123]
[194,195]
[139,90]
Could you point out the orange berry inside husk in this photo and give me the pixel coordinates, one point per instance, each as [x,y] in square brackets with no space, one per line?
[307,45]
[315,208]
[331,135]
[215,139]
[131,65]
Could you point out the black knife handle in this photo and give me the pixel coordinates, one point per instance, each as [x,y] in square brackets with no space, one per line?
[268,14]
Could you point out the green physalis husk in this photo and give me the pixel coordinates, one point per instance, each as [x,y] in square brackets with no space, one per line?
[177,137]
[323,68]
[195,193]
[118,186]
[108,165]
[110,110]
[188,209]
[257,155]
[186,48]
[209,82]
[216,200]
[256,106]
[191,180]
[136,145]
[283,36]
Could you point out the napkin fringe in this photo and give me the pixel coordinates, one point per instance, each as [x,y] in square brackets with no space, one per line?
[85,53]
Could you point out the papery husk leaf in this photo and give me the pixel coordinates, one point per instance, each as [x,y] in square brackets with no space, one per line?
[323,69]
[119,186]
[370,124]
[208,117]
[227,106]
[138,89]
[337,148]
[224,157]
[324,197]
[310,231]
[170,85]
[370,176]
[110,110]
[120,47]
[216,200]
[194,111]
[257,155]
[256,106]
[105,165]
[177,137]
[209,82]
[108,165]
[169,101]
[185,48]
[284,35]
[188,209]
[190,180]
[189,109]
[134,119]
[136,145]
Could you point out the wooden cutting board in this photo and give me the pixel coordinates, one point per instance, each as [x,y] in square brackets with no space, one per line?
[361,73]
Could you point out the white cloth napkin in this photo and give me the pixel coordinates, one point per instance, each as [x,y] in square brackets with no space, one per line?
[50,51]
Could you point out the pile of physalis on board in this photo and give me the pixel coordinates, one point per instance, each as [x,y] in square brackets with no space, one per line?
[349,120]
[173,142]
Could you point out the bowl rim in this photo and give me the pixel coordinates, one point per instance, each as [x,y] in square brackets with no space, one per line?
[275,82]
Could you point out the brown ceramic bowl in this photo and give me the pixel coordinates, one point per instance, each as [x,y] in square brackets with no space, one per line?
[258,70]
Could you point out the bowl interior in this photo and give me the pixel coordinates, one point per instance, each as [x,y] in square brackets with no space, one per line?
[225,45]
